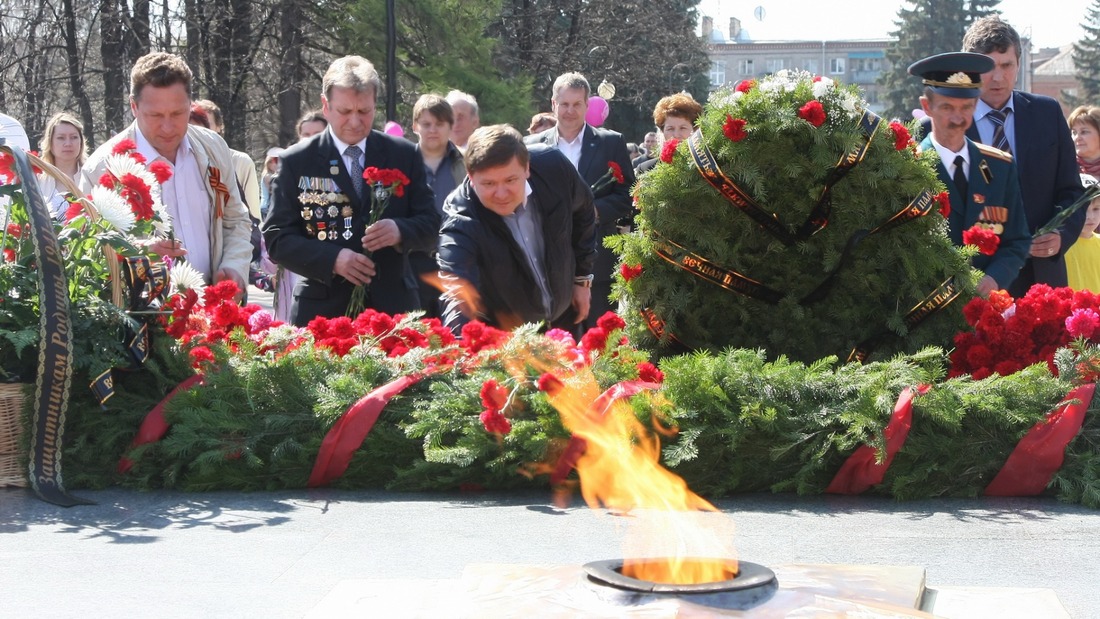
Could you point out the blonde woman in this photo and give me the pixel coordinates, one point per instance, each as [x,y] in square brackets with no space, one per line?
[63,146]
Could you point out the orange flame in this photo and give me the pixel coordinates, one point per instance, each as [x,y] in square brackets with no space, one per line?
[677,536]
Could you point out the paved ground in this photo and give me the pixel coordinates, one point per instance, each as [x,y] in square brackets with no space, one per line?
[168,554]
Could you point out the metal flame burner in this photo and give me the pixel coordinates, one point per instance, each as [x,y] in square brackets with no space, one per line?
[753,585]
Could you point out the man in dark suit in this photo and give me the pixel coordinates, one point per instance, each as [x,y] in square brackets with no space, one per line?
[982,181]
[1034,130]
[591,150]
[518,242]
[319,221]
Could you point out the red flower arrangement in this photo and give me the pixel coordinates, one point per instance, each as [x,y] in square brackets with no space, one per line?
[734,128]
[1008,336]
[902,138]
[984,239]
[812,113]
[669,149]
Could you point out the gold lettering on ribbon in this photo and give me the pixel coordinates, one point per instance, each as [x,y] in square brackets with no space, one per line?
[917,207]
[941,297]
[819,217]
[704,269]
[710,172]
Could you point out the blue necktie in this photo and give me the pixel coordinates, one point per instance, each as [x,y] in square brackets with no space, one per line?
[1000,138]
[356,170]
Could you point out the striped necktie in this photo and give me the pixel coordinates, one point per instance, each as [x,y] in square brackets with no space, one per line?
[999,118]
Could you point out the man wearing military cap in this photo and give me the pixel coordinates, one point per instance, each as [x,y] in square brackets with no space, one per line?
[982,181]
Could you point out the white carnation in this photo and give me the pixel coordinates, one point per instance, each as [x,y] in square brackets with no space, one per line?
[822,86]
[113,208]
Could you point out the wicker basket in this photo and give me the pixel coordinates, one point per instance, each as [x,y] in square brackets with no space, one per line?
[12,473]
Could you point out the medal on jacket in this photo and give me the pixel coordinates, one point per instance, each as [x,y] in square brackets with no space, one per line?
[334,167]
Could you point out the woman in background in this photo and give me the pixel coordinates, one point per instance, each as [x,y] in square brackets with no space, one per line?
[64,147]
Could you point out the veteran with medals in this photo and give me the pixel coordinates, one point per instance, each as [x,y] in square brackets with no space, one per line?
[983,182]
[319,220]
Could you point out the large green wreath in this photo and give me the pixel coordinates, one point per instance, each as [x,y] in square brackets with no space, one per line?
[765,139]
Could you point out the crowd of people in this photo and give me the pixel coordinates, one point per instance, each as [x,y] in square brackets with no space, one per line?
[480,222]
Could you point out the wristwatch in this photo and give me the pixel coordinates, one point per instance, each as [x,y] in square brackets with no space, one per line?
[583,280]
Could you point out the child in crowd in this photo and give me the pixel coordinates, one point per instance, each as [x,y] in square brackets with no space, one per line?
[1083,258]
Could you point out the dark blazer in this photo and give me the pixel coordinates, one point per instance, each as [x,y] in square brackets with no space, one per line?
[992,184]
[476,246]
[1049,181]
[612,204]
[293,232]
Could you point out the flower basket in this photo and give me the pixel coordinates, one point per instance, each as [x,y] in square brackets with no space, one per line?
[12,471]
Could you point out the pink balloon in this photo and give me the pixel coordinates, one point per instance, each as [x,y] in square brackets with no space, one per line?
[597,111]
[918,113]
[393,129]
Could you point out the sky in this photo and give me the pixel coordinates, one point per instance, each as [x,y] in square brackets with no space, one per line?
[817,20]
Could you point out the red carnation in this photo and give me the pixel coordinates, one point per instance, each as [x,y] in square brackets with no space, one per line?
[669,149]
[549,383]
[649,373]
[616,171]
[201,355]
[495,422]
[734,128]
[493,395]
[901,135]
[745,85]
[594,339]
[945,203]
[1000,301]
[630,272]
[7,161]
[9,254]
[15,230]
[610,321]
[812,113]
[161,170]
[123,147]
[983,238]
[107,180]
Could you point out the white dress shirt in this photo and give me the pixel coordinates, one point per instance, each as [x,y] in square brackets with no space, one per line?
[187,200]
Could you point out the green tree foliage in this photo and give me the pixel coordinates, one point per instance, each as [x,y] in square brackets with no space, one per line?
[646,49]
[442,45]
[1086,58]
[924,28]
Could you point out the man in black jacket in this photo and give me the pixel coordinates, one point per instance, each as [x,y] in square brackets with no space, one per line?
[592,150]
[518,241]
[319,221]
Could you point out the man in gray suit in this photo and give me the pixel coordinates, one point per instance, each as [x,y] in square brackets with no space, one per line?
[591,150]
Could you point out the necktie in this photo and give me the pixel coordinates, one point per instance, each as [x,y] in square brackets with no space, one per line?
[356,170]
[999,118]
[960,177]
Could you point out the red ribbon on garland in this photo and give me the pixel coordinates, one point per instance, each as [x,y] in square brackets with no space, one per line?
[352,428]
[862,469]
[154,426]
[575,449]
[1040,453]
